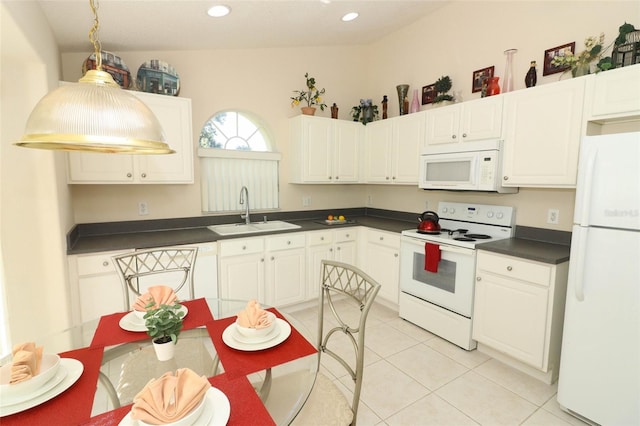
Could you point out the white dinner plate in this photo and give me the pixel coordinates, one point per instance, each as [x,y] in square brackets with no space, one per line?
[8,400]
[131,322]
[229,337]
[74,369]
[216,411]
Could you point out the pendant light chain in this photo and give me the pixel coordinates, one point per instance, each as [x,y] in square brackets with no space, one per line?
[93,33]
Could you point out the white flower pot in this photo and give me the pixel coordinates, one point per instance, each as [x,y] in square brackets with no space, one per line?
[164,351]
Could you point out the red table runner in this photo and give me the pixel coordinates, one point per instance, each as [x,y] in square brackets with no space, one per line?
[246,407]
[72,406]
[109,332]
[241,363]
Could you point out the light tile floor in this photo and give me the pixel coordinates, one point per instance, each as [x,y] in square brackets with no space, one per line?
[413,377]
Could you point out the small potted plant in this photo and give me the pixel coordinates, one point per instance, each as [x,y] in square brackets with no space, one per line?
[365,112]
[442,86]
[164,323]
[311,96]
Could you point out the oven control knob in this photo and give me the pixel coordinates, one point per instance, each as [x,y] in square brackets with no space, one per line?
[499,215]
[489,214]
[452,210]
[445,209]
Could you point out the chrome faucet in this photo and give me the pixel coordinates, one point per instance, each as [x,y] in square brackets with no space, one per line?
[244,199]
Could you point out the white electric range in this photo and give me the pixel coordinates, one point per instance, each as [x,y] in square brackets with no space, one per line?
[441,301]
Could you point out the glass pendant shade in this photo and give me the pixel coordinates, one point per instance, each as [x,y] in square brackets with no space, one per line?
[94,115]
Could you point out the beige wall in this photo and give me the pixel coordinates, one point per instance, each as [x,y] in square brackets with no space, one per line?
[456,40]
[35,207]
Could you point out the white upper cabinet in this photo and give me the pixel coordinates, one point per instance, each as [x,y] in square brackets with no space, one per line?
[614,94]
[324,150]
[174,114]
[543,128]
[475,120]
[393,149]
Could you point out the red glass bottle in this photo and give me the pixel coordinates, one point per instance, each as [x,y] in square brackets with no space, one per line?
[493,88]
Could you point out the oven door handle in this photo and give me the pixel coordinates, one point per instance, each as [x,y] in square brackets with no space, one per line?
[467,252]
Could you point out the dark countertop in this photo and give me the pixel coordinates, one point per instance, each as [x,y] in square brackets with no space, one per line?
[100,237]
[533,244]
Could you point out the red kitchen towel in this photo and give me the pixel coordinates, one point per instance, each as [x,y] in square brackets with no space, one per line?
[109,332]
[246,406]
[71,407]
[431,257]
[241,363]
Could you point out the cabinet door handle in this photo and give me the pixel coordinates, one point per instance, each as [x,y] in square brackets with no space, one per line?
[129,175]
[105,263]
[272,257]
[395,254]
[321,238]
[509,268]
[337,177]
[393,178]
[381,238]
[144,175]
[330,177]
[288,243]
[453,136]
[478,278]
[506,178]
[387,178]
[464,135]
[244,247]
[348,235]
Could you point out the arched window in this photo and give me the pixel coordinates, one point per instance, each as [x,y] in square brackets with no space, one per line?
[236,150]
[234,131]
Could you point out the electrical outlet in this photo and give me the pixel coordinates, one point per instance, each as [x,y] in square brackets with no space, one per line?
[306,201]
[553,216]
[143,208]
[369,200]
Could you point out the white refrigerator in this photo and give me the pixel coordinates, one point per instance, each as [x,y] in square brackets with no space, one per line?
[600,362]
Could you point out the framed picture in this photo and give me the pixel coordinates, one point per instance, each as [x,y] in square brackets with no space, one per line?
[480,76]
[428,94]
[549,54]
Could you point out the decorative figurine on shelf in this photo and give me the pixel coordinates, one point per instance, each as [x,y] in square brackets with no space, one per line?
[531,78]
[366,112]
[334,110]
[384,107]
[442,86]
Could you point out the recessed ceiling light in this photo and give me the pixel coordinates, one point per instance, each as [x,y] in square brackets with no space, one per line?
[350,16]
[219,11]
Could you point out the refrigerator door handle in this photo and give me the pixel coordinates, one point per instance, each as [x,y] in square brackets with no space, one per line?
[578,279]
[587,187]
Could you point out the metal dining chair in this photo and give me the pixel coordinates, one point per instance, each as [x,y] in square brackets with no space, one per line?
[173,265]
[344,304]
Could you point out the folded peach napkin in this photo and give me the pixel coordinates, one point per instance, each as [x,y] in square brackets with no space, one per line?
[161,294]
[26,362]
[169,398]
[253,316]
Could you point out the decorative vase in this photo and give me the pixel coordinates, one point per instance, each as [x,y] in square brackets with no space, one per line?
[580,69]
[493,88]
[507,86]
[367,114]
[308,110]
[384,107]
[334,110]
[415,103]
[164,350]
[531,78]
[403,89]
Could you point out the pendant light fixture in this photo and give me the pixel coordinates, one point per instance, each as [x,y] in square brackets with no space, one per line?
[95,115]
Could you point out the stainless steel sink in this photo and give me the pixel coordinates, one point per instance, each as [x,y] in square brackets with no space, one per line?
[252,228]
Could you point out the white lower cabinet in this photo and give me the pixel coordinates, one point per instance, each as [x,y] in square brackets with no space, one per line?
[519,311]
[270,269]
[339,244]
[96,287]
[382,262]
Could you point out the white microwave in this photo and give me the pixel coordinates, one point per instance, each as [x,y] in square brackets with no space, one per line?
[463,168]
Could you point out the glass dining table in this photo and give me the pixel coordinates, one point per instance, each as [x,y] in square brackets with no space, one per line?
[265,383]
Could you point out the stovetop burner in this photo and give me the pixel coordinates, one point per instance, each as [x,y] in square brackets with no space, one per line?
[478,236]
[463,239]
[453,231]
